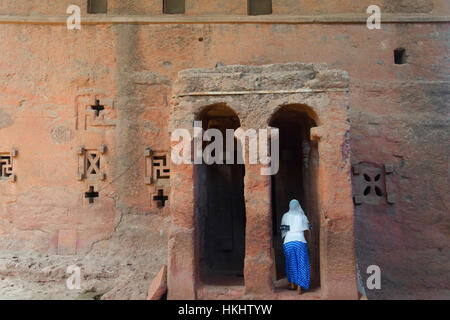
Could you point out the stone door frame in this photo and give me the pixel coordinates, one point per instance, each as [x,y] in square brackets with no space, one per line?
[255,93]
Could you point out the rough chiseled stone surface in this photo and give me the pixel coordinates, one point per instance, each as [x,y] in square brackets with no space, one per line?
[158,286]
[225,7]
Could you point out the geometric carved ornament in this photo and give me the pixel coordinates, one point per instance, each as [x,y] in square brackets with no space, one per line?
[157,166]
[157,175]
[7,165]
[372,184]
[90,163]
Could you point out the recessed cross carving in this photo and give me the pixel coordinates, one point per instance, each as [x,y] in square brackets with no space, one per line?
[161,198]
[97,107]
[91,194]
[373,183]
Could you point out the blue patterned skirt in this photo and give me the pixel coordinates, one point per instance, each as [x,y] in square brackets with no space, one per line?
[297,263]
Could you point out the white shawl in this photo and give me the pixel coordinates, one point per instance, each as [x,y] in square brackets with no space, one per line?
[297,221]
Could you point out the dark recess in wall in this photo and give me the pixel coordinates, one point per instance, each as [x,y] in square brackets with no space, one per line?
[173,6]
[259,7]
[399,56]
[97,6]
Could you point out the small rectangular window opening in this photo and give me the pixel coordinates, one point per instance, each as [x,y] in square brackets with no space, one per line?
[399,56]
[259,7]
[173,6]
[97,6]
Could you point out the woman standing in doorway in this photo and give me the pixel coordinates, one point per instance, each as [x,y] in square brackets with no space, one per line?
[293,225]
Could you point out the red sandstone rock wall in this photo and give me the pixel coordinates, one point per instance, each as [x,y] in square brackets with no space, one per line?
[227,7]
[48,75]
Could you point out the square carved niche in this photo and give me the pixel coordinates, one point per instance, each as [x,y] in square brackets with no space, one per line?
[7,160]
[372,184]
[91,163]
[95,113]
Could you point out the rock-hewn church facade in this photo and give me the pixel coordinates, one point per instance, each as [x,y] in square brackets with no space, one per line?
[87,114]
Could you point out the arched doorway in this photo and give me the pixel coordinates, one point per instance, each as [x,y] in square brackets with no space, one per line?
[220,207]
[296,179]
[260,103]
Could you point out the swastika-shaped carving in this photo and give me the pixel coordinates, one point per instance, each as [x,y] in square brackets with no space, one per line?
[157,166]
[160,167]
[157,175]
[6,167]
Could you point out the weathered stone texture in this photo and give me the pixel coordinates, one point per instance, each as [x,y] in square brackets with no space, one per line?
[158,287]
[223,7]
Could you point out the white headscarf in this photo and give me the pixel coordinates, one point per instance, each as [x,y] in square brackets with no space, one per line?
[296,219]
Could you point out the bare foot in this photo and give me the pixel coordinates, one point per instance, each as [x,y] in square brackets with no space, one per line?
[291,286]
[299,290]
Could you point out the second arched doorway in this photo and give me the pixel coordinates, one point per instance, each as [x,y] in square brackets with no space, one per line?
[296,179]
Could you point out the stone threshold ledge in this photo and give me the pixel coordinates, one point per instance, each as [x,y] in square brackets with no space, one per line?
[225,19]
